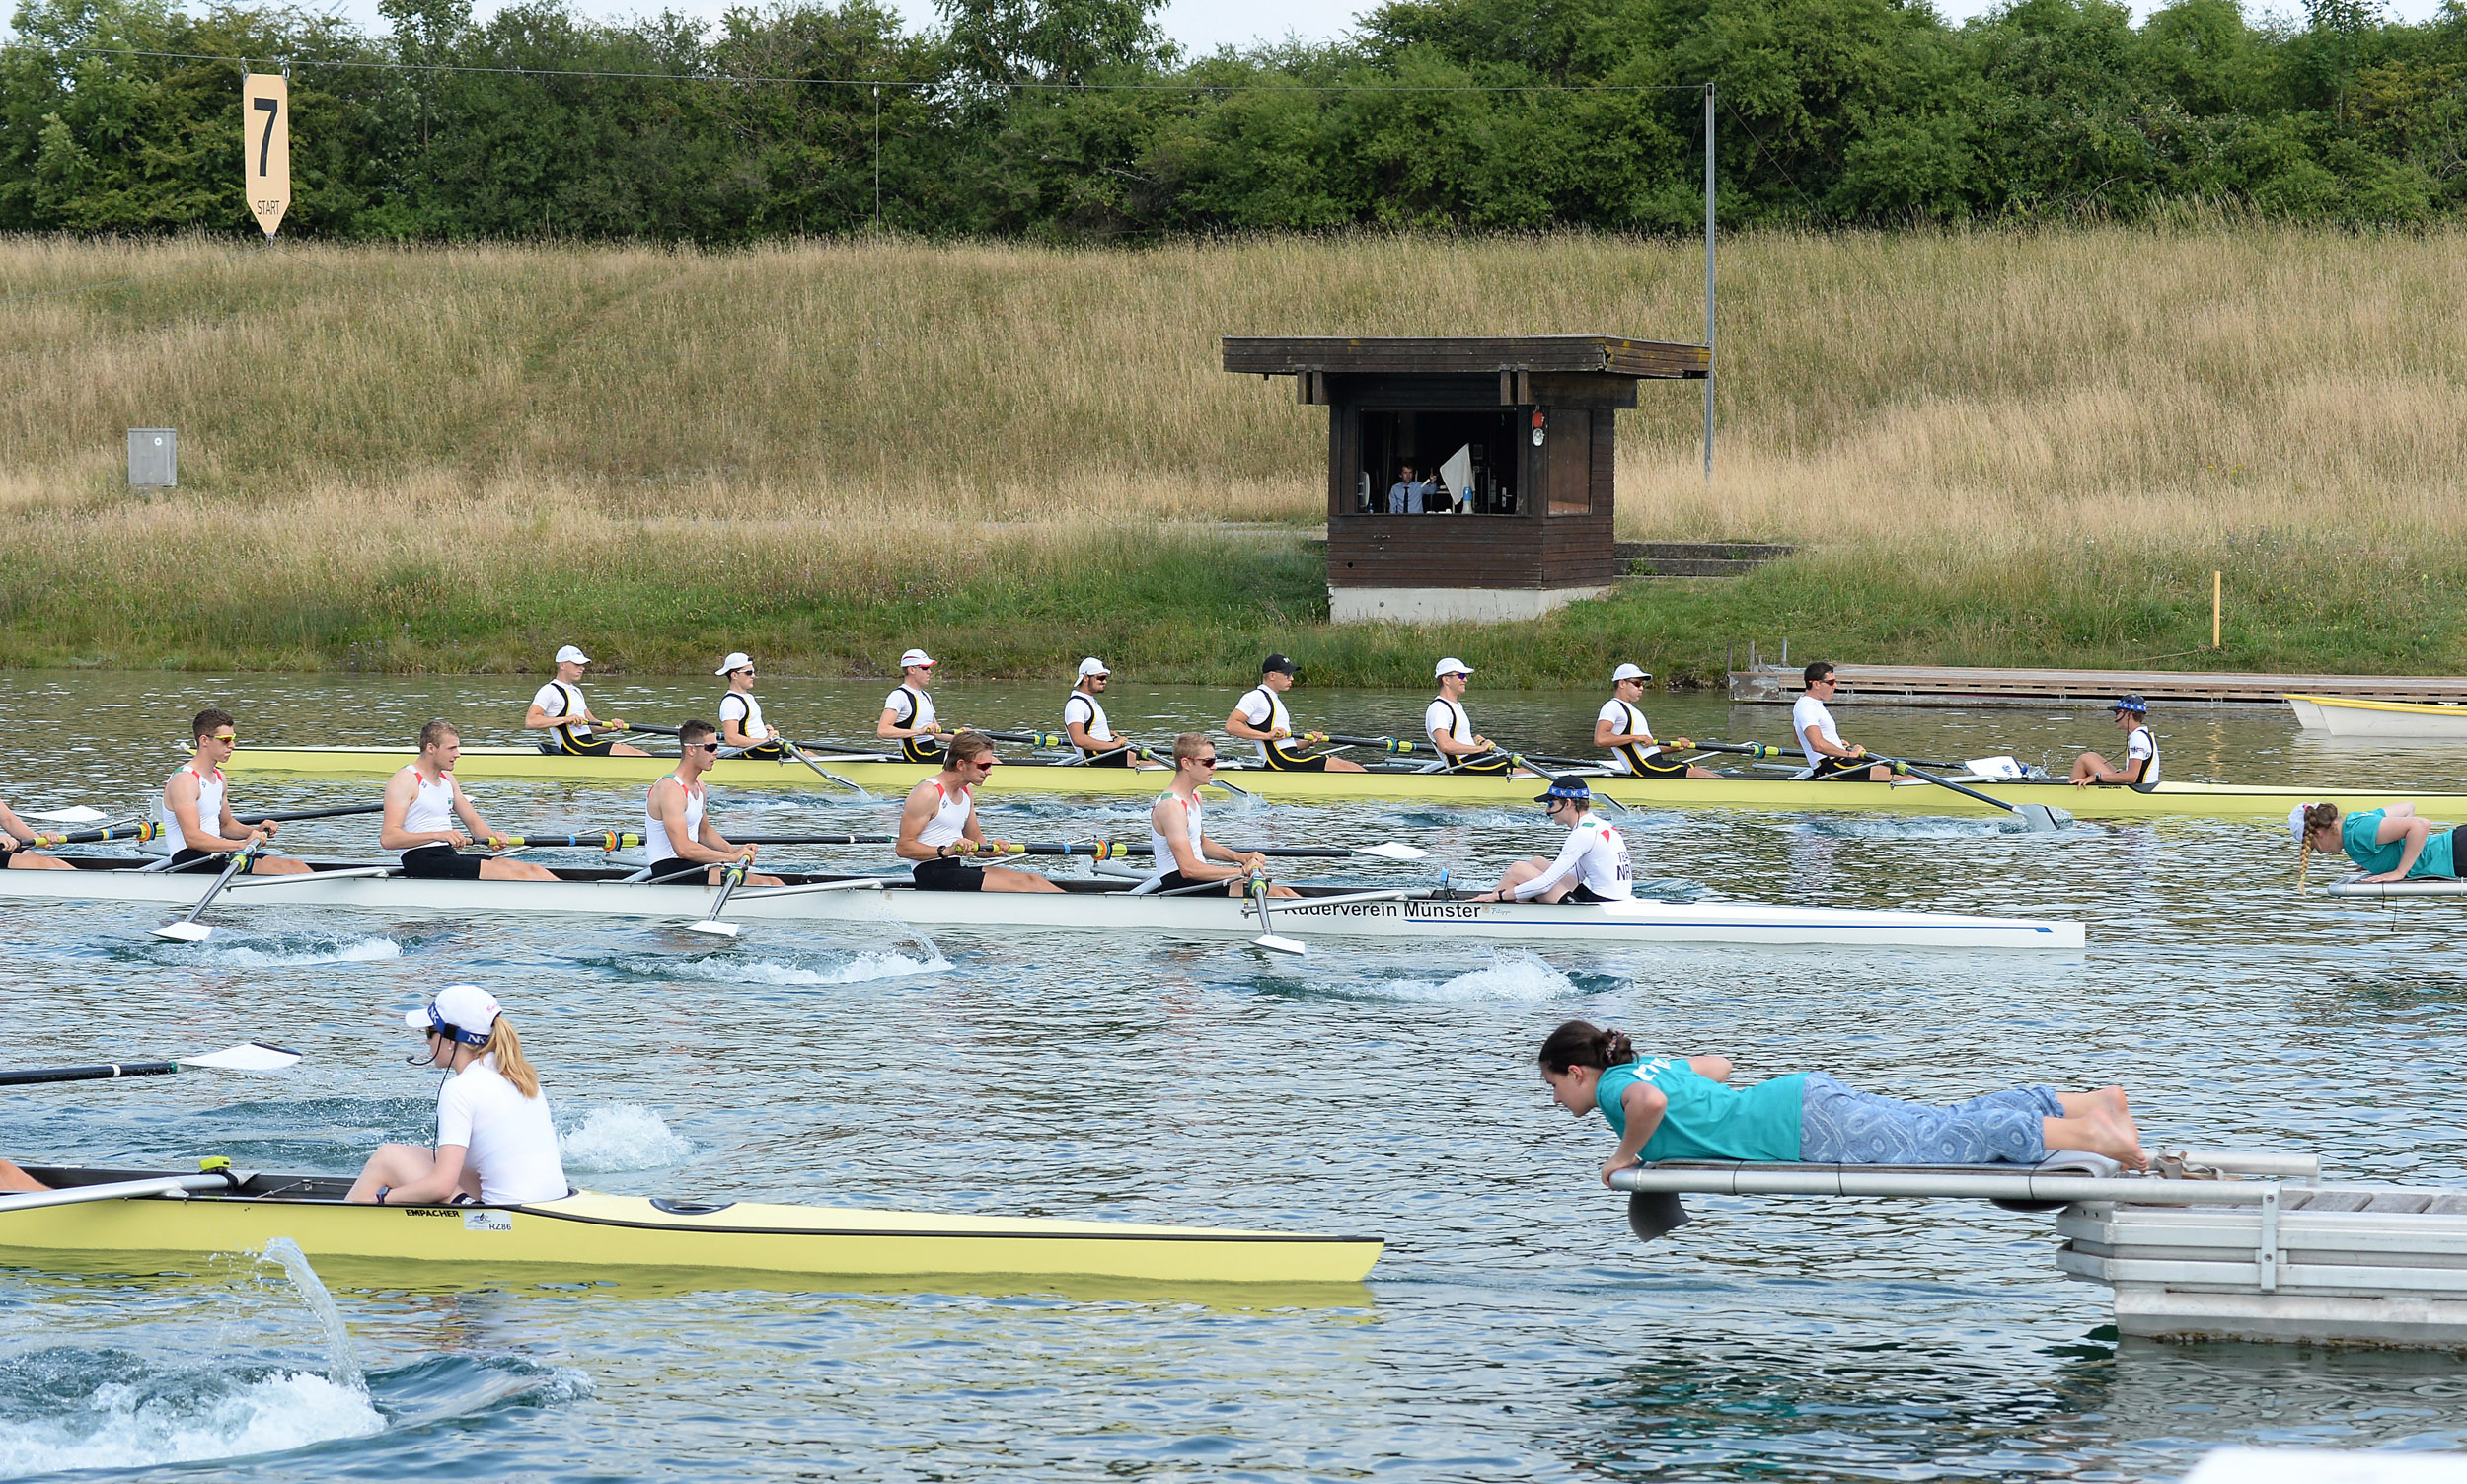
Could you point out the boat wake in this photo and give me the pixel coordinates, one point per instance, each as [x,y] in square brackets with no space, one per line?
[1510,977]
[622,1137]
[69,1408]
[728,969]
[1925,827]
[249,950]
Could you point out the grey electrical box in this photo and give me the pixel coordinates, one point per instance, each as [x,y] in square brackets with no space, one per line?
[153,458]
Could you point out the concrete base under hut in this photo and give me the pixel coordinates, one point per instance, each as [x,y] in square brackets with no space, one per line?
[1451,605]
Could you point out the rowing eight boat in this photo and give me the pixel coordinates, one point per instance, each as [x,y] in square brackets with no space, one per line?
[2349,717]
[1082,906]
[1737,791]
[586,1231]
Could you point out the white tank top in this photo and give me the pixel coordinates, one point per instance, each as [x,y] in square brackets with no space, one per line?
[751,723]
[1278,716]
[1164,852]
[949,824]
[433,808]
[655,845]
[209,807]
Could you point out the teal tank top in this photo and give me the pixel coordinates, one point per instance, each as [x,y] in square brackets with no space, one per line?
[1707,1119]
[2355,836]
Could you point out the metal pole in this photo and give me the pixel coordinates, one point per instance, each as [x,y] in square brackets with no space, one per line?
[1708,283]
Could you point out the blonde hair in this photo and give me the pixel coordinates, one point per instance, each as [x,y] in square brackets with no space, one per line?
[506,1049]
[2316,816]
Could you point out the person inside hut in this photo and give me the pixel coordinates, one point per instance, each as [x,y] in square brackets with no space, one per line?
[1409,495]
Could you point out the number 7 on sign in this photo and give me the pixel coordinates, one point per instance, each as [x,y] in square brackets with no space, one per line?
[266,147]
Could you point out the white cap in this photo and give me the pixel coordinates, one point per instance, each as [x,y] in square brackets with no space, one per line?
[466,1008]
[914,658]
[1092,666]
[1629,672]
[737,659]
[1453,665]
[2296,822]
[570,655]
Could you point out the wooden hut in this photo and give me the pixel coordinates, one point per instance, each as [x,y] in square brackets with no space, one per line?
[1523,426]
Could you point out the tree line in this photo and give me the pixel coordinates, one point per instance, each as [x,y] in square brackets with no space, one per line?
[1078,119]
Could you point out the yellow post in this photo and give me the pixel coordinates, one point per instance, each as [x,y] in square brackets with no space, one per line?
[2213,610]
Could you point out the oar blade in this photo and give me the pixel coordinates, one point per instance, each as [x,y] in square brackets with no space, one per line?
[1276,944]
[1391,850]
[1654,1213]
[248,1055]
[184,931]
[712,927]
[78,814]
[2044,818]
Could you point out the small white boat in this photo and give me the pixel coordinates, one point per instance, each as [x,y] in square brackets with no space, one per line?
[1100,907]
[2344,717]
[2420,886]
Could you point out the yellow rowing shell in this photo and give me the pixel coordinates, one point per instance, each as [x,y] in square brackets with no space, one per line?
[1744,791]
[586,1232]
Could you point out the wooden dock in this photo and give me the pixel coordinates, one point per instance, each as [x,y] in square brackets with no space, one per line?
[1925,685]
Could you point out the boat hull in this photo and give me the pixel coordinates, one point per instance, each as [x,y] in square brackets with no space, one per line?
[588,1232]
[1084,908]
[2341,716]
[1745,791]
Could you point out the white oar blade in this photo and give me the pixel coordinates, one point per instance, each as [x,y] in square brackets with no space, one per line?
[1276,944]
[184,931]
[75,815]
[712,927]
[2042,817]
[248,1055]
[1391,850]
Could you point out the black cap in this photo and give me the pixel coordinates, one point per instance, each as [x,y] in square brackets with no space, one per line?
[1276,662]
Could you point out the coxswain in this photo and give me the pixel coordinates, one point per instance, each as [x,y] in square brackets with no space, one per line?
[1819,741]
[1592,865]
[1085,723]
[559,710]
[2140,771]
[17,854]
[496,1145]
[1179,847]
[2388,843]
[677,830]
[742,731]
[196,794]
[1621,727]
[422,803]
[1260,719]
[938,830]
[908,711]
[1451,730]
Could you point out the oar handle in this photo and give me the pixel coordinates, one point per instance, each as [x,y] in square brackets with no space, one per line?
[141,831]
[607,840]
[99,1073]
[1030,739]
[816,839]
[1905,767]
[1396,746]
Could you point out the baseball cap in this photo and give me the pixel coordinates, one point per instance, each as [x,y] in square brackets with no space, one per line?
[1452,666]
[914,658]
[1092,666]
[1629,672]
[1566,785]
[1278,663]
[468,1011]
[2132,702]
[737,659]
[570,655]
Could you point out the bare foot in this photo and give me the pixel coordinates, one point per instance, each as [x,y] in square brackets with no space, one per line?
[2120,1139]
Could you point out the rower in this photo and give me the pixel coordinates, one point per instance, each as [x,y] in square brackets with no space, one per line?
[742,731]
[422,803]
[908,711]
[17,855]
[1259,717]
[1083,720]
[1819,741]
[196,794]
[1451,731]
[1179,844]
[2140,771]
[677,830]
[938,829]
[496,1145]
[2390,842]
[1592,865]
[559,710]
[1623,728]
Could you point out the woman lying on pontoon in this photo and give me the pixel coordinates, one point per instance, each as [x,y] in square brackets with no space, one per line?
[1684,1108]
[2390,842]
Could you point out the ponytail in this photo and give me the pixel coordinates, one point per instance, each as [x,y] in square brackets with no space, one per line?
[2316,816]
[505,1048]
[1580,1043]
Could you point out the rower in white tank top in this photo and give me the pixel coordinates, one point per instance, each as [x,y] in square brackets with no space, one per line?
[655,845]
[209,806]
[1161,851]
[431,809]
[949,825]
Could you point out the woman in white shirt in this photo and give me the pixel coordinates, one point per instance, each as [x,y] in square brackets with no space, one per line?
[496,1143]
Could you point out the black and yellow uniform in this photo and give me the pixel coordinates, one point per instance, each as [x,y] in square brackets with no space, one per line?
[1632,723]
[561,739]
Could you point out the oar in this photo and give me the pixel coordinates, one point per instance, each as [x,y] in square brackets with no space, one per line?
[609,839]
[298,814]
[798,753]
[74,814]
[248,1055]
[188,929]
[1267,937]
[2040,817]
[1397,746]
[1110,849]
[710,925]
[1025,739]
[129,1190]
[139,830]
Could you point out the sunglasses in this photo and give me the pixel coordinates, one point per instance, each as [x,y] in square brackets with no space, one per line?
[700,747]
[1207,762]
[224,737]
[985,763]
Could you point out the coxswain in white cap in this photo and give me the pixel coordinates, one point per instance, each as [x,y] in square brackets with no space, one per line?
[742,731]
[908,711]
[496,1145]
[1621,726]
[559,710]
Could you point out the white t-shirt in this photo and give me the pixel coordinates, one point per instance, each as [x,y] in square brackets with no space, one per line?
[1084,708]
[909,709]
[511,1140]
[1625,721]
[1594,855]
[1264,710]
[2143,745]
[1444,715]
[741,707]
[558,698]
[1808,713]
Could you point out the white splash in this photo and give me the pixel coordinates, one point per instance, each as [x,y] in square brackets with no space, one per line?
[120,1428]
[367,951]
[859,970]
[622,1137]
[343,1360]
[1512,976]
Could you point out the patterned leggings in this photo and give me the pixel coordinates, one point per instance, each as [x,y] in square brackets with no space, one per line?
[1840,1125]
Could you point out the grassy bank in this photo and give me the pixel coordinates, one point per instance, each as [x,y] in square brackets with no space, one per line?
[1999,448]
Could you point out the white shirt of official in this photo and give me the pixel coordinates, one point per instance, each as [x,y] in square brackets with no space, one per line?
[1625,721]
[1807,714]
[512,1139]
[1596,855]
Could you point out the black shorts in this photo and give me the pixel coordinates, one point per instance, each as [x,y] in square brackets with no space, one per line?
[1118,757]
[1585,895]
[440,862]
[1852,768]
[205,861]
[1175,882]
[561,745]
[761,752]
[921,748]
[1492,765]
[1660,765]
[950,874]
[1281,761]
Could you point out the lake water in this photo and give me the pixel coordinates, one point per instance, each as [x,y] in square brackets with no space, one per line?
[1513,1328]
